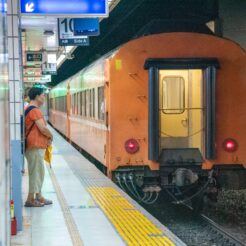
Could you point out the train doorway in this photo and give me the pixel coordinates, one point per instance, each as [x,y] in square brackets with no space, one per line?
[181,109]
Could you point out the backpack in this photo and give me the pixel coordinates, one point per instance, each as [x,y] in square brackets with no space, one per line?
[29,109]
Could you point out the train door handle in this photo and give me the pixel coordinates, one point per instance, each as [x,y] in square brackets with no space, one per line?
[184,122]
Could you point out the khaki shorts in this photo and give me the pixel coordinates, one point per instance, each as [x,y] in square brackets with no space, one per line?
[35,161]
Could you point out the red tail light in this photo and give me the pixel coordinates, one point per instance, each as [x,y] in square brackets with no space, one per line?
[230,145]
[132,146]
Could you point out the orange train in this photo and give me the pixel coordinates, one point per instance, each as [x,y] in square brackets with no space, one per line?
[161,111]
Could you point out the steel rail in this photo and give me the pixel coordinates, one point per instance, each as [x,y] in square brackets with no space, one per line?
[224,233]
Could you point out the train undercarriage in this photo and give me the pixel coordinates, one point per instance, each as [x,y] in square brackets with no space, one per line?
[182,179]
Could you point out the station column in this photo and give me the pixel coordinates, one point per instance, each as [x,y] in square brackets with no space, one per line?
[16,105]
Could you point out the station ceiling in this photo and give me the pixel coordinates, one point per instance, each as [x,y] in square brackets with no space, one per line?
[36,34]
[128,19]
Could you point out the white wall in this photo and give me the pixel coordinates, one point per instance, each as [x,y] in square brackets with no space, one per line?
[4,135]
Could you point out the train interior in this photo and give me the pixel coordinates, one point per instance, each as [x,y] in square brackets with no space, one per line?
[181,109]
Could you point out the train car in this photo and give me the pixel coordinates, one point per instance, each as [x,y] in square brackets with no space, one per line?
[163,111]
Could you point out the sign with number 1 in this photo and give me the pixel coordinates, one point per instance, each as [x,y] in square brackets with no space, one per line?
[66,34]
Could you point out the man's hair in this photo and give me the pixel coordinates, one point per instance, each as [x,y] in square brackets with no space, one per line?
[33,92]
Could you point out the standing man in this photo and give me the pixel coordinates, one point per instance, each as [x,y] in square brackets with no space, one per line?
[38,137]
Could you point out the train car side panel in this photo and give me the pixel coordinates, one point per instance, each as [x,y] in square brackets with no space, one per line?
[87,123]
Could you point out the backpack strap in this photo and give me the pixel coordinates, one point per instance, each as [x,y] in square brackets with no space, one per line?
[29,109]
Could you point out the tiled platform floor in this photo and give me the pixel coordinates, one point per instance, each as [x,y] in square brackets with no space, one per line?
[88,209]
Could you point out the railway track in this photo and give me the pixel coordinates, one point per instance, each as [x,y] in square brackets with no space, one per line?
[194,230]
[223,237]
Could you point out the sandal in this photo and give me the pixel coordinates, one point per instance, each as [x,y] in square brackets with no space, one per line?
[44,201]
[34,204]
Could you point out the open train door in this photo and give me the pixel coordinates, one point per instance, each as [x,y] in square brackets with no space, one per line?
[182,124]
[181,108]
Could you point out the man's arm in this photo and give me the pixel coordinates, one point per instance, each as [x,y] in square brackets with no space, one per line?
[43,128]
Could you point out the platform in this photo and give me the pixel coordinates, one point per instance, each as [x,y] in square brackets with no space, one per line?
[89,209]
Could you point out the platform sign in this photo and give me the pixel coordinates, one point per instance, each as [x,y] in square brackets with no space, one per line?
[66,34]
[86,26]
[49,69]
[34,57]
[49,66]
[30,72]
[45,79]
[3,6]
[65,8]
[38,79]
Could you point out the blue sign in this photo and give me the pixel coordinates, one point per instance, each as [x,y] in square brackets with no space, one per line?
[70,8]
[86,26]
[3,6]
[66,35]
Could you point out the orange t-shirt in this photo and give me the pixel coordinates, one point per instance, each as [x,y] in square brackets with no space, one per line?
[35,139]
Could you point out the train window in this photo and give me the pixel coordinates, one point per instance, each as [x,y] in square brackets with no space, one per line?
[65,104]
[81,100]
[56,103]
[87,103]
[92,103]
[73,103]
[62,106]
[76,103]
[173,97]
[50,105]
[101,103]
[83,103]
[79,103]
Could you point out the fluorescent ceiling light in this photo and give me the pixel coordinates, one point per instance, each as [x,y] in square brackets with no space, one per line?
[51,41]
[51,58]
[60,60]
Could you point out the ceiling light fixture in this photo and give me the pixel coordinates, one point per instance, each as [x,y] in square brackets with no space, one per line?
[48,33]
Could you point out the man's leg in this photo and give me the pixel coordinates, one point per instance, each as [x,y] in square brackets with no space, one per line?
[30,197]
[39,196]
[41,172]
[31,156]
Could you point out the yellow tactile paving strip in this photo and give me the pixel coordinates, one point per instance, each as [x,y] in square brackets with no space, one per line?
[131,224]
